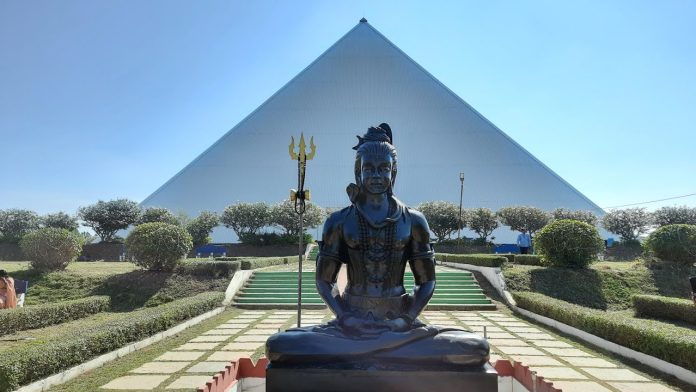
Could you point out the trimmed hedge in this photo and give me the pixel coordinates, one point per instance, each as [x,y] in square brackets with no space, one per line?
[31,317]
[655,306]
[227,258]
[33,362]
[158,246]
[215,268]
[568,243]
[509,256]
[260,262]
[473,259]
[674,243]
[529,260]
[671,343]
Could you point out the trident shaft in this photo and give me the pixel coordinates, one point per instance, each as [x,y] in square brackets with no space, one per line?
[299,196]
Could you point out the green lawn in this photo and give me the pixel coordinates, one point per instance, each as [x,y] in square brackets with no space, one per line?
[606,285]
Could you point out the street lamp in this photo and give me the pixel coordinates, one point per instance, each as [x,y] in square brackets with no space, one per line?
[461,197]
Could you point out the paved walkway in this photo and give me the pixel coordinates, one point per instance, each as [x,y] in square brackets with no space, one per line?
[571,366]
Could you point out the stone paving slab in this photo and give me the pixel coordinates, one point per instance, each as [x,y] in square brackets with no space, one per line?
[197,346]
[551,344]
[580,386]
[536,360]
[519,350]
[160,367]
[236,346]
[189,382]
[614,374]
[210,338]
[221,331]
[180,356]
[251,338]
[567,352]
[208,367]
[561,373]
[135,382]
[228,355]
[589,362]
[640,387]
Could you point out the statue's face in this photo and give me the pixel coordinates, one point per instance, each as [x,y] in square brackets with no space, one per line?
[376,173]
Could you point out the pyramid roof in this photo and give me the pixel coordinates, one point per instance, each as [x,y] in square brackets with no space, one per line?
[360,81]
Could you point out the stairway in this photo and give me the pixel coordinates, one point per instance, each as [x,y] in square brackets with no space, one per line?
[278,290]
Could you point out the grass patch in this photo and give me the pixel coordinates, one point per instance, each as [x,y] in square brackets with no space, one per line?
[672,342]
[606,285]
[128,286]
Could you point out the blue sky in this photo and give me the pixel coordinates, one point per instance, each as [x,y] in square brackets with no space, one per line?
[108,99]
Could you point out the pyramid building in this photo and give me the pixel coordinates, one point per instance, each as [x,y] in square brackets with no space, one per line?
[360,81]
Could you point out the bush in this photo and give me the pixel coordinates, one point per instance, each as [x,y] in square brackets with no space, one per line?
[157,214]
[568,243]
[108,217]
[529,260]
[674,243]
[246,218]
[473,259]
[442,217]
[158,246]
[227,258]
[51,249]
[15,224]
[656,306]
[264,239]
[40,316]
[531,219]
[482,221]
[674,216]
[215,268]
[284,216]
[628,223]
[671,343]
[579,215]
[261,262]
[509,256]
[37,360]
[201,226]
[61,220]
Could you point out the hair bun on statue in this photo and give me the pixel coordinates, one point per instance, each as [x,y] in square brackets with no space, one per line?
[381,133]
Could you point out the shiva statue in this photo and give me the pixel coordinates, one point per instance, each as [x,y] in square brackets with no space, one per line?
[376,323]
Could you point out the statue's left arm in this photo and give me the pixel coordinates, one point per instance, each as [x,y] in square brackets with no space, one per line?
[422,262]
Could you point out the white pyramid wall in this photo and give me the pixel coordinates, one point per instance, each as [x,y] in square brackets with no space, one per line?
[365,80]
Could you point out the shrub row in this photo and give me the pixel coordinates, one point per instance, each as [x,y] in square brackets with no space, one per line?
[260,262]
[529,260]
[227,258]
[473,259]
[32,362]
[20,319]
[668,342]
[655,306]
[214,268]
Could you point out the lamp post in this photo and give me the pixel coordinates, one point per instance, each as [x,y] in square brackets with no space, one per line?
[299,196]
[461,198]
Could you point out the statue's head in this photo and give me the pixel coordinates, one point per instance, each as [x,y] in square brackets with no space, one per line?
[375,160]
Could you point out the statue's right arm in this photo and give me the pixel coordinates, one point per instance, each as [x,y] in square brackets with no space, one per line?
[329,263]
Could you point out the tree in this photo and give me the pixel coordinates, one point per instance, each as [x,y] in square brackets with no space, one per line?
[578,215]
[442,216]
[629,223]
[246,218]
[61,220]
[284,216]
[157,214]
[482,221]
[200,227]
[108,217]
[16,223]
[674,216]
[521,218]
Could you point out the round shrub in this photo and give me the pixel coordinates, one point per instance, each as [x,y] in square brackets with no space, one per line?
[568,243]
[674,243]
[158,246]
[51,249]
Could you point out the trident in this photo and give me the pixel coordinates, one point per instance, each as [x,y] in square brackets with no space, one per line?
[299,196]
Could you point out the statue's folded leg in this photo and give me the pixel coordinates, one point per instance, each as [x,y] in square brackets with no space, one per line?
[327,343]
[447,347]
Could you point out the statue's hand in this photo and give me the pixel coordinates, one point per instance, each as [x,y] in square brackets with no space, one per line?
[400,324]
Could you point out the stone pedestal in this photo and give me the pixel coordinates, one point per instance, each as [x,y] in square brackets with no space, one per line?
[306,379]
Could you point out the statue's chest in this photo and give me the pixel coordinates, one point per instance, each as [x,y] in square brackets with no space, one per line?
[359,235]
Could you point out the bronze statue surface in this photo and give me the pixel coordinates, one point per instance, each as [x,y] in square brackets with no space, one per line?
[376,322]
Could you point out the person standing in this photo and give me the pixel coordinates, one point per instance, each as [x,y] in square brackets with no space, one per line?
[8,297]
[524,241]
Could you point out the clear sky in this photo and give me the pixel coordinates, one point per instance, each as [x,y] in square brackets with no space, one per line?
[109,99]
